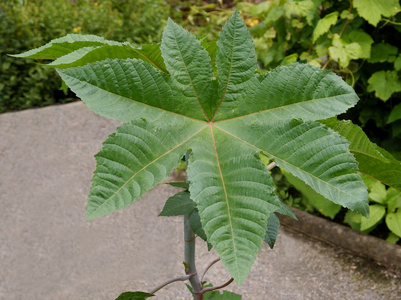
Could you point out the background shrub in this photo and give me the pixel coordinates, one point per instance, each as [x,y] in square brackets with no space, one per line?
[26,25]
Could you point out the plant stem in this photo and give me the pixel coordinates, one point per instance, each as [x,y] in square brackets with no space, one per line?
[213,288]
[208,267]
[346,21]
[189,252]
[189,239]
[179,278]
[271,166]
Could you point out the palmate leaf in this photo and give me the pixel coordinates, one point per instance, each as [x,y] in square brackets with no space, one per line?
[227,118]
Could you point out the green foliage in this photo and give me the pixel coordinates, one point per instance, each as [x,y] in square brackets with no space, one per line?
[385,205]
[317,201]
[373,10]
[359,40]
[28,24]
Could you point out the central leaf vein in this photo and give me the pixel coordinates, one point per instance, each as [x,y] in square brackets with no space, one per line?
[225,198]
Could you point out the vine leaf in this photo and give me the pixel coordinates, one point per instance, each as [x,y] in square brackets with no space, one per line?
[344,52]
[384,84]
[361,38]
[227,116]
[324,25]
[383,52]
[372,10]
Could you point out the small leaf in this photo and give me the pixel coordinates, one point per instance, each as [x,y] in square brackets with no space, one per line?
[397,63]
[384,84]
[196,225]
[353,219]
[260,8]
[134,296]
[324,25]
[273,225]
[179,204]
[393,221]
[393,238]
[393,200]
[215,295]
[372,10]
[395,114]
[275,13]
[344,52]
[378,192]
[383,52]
[360,223]
[376,212]
[363,39]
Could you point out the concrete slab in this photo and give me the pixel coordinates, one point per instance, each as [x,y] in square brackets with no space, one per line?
[49,251]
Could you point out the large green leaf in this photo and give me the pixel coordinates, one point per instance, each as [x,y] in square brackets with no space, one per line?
[227,118]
